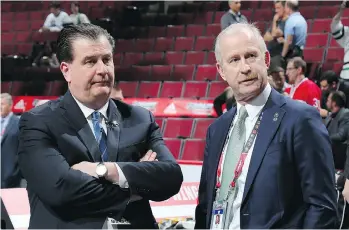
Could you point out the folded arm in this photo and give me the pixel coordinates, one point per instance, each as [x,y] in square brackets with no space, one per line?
[314,161]
[53,180]
[154,180]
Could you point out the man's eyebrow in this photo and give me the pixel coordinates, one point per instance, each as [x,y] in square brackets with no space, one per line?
[89,57]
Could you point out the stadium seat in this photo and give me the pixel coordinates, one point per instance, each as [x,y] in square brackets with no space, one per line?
[193,149]
[178,127]
[139,73]
[211,59]
[8,49]
[263,14]
[335,54]
[175,31]
[171,89]
[161,72]
[204,43]
[174,145]
[317,40]
[23,37]
[183,44]
[58,88]
[327,11]
[7,38]
[156,31]
[313,54]
[213,29]
[201,126]
[124,45]
[144,45]
[17,88]
[21,16]
[129,88]
[117,58]
[24,49]
[218,16]
[204,18]
[308,12]
[184,18]
[37,15]
[194,58]
[195,89]
[153,58]
[6,26]
[174,58]
[194,30]
[7,16]
[160,122]
[132,59]
[321,26]
[149,89]
[182,72]
[206,72]
[216,88]
[163,44]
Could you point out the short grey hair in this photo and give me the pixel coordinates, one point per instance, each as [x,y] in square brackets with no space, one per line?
[247,28]
[7,97]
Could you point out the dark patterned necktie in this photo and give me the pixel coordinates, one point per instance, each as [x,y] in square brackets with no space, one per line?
[100,135]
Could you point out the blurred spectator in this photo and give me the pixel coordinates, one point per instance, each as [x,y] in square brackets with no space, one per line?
[275,33]
[10,175]
[337,124]
[77,17]
[46,57]
[116,93]
[227,98]
[328,82]
[341,34]
[277,79]
[302,88]
[56,19]
[233,15]
[295,33]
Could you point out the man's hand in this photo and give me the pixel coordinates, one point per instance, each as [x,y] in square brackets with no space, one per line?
[149,156]
[276,18]
[345,192]
[86,167]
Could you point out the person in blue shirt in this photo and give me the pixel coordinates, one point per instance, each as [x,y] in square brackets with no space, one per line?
[295,32]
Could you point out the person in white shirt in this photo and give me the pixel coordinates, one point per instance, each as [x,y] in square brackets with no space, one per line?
[77,17]
[56,19]
[340,32]
[268,161]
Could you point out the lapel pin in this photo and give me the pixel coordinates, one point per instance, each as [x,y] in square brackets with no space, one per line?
[276,115]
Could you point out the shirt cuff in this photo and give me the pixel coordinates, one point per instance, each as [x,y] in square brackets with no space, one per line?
[122,179]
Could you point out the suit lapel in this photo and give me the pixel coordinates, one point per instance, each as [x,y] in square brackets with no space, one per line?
[113,136]
[271,119]
[74,116]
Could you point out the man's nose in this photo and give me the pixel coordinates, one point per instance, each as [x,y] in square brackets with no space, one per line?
[245,67]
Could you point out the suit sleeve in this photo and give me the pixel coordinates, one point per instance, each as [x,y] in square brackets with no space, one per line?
[315,165]
[55,183]
[201,208]
[157,180]
[343,129]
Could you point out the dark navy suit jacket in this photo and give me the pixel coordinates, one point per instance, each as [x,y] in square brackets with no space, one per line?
[290,181]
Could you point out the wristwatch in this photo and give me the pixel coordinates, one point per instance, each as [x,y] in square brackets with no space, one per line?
[101,170]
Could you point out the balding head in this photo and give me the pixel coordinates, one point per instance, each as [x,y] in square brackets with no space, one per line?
[250,30]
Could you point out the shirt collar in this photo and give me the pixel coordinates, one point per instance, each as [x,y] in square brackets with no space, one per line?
[256,105]
[7,117]
[88,111]
[233,13]
[294,14]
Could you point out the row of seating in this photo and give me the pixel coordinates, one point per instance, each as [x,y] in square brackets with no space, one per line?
[144,89]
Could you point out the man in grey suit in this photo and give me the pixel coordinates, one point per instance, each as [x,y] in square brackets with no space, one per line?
[10,176]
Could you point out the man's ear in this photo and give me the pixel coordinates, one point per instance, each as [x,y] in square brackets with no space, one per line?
[267,59]
[220,71]
[64,67]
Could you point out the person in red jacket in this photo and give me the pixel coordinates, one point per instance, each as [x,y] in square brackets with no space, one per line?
[302,88]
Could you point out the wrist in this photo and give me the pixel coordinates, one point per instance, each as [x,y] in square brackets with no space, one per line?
[112,175]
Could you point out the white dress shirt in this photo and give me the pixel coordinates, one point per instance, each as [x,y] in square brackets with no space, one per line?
[55,24]
[253,109]
[88,115]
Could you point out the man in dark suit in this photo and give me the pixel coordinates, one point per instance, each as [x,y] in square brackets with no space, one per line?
[10,175]
[283,176]
[337,124]
[88,158]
